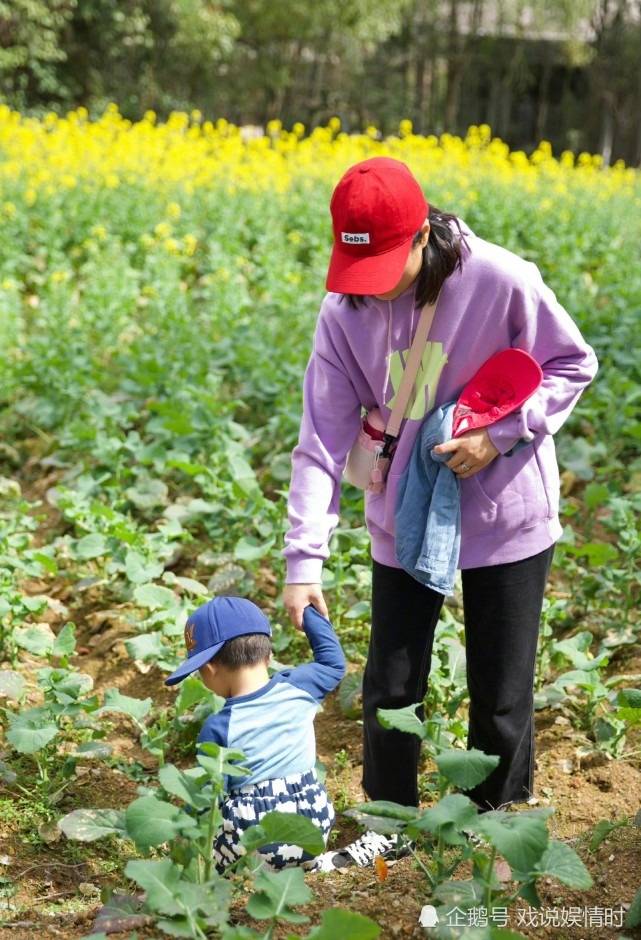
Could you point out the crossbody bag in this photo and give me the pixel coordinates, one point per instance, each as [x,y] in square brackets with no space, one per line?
[369,459]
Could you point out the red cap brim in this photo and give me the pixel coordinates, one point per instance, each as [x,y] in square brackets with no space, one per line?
[516,366]
[349,273]
[502,384]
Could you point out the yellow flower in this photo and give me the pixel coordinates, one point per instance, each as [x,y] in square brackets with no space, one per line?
[163,230]
[190,243]
[75,157]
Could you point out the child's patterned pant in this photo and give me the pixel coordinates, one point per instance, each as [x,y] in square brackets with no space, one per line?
[246,805]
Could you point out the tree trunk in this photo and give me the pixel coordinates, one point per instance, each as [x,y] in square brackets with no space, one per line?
[505,110]
[493,107]
[637,156]
[426,120]
[543,101]
[607,130]
[454,70]
[454,80]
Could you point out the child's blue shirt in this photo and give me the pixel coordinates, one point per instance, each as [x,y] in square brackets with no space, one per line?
[274,725]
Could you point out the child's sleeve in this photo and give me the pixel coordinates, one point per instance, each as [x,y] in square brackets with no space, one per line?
[216,730]
[323,675]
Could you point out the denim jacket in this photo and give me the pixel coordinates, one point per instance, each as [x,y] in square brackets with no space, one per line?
[428,512]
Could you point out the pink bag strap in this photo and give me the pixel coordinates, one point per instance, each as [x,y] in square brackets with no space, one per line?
[411,369]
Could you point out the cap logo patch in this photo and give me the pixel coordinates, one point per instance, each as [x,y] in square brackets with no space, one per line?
[355,238]
[190,642]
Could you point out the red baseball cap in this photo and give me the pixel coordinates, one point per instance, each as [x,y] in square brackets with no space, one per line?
[501,385]
[377,208]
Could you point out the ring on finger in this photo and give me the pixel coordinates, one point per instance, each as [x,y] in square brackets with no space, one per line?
[465,467]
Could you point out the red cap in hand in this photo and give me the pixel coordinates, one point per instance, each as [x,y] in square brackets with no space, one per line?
[502,384]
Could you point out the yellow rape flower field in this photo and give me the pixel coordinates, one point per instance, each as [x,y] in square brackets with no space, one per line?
[159,286]
[75,151]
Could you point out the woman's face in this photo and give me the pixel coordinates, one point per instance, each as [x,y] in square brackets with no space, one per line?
[412,266]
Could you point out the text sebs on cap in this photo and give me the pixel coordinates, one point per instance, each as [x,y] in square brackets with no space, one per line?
[502,384]
[377,208]
[208,629]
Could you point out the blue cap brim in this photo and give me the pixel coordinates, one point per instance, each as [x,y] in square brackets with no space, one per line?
[192,663]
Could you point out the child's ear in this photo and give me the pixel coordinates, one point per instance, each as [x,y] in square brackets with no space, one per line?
[209,669]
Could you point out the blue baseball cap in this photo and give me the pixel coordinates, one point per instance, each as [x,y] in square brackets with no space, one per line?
[208,629]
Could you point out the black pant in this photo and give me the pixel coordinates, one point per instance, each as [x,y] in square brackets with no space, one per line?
[502,606]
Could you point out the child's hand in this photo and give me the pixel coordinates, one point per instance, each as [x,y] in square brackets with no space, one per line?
[296,597]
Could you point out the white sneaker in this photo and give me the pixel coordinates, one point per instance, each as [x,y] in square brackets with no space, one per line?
[363,851]
[473,838]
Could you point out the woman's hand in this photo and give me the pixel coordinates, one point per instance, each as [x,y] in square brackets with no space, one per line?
[471,452]
[296,597]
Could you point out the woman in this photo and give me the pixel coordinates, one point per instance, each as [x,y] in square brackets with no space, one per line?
[392,254]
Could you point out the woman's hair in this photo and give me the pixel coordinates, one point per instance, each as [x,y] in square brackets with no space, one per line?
[441,256]
[246,650]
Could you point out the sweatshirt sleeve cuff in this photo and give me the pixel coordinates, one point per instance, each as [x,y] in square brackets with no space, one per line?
[304,571]
[505,433]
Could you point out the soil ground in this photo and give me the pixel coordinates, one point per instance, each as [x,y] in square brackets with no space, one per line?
[59,883]
[55,891]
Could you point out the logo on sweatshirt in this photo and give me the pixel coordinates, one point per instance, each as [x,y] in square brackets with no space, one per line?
[355,238]
[426,382]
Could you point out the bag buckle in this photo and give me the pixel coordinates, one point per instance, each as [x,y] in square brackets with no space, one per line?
[389,440]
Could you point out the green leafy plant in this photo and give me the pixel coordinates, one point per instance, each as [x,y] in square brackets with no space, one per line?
[183,890]
[442,836]
[64,717]
[598,706]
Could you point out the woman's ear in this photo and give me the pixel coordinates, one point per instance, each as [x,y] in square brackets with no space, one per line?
[425,229]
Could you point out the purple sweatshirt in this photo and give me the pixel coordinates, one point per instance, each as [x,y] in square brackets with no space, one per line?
[509,510]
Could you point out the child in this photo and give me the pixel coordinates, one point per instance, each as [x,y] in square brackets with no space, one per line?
[270,720]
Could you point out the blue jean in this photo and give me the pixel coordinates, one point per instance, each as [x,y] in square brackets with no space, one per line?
[428,512]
